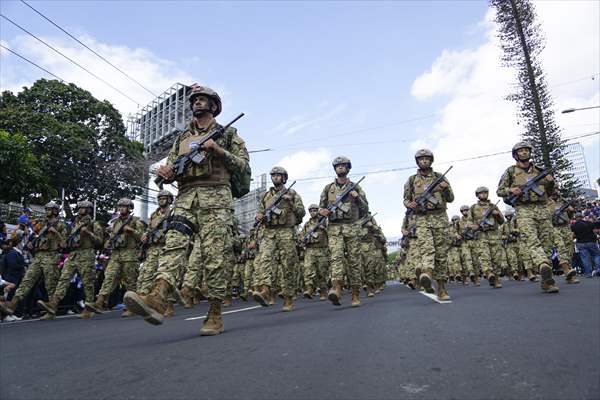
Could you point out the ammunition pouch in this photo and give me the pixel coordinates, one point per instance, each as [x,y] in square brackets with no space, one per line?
[183,225]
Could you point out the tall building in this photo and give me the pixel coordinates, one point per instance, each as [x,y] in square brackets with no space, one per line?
[574,153]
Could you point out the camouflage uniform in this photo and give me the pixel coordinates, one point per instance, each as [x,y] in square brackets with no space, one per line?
[277,260]
[487,241]
[150,266]
[316,257]
[123,261]
[510,237]
[562,234]
[373,243]
[454,259]
[533,217]
[413,266]
[250,247]
[467,250]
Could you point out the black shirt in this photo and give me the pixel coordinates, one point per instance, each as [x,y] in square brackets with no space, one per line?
[584,231]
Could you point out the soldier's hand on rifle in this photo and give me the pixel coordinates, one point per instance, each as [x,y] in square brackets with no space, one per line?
[324,212]
[496,212]
[404,232]
[260,216]
[212,146]
[52,230]
[129,229]
[516,191]
[354,194]
[166,172]
[443,185]
[84,231]
[412,205]
[549,178]
[474,227]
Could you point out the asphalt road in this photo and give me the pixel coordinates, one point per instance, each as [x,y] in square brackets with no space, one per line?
[512,343]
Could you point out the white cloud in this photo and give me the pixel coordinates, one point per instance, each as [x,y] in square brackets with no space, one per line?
[297,123]
[476,120]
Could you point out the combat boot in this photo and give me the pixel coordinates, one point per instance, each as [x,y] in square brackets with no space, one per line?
[458,278]
[86,314]
[227,301]
[465,281]
[288,304]
[370,291]
[151,307]
[491,279]
[516,276]
[335,293]
[412,284]
[355,296]
[323,293]
[170,311]
[570,273]
[98,306]
[308,293]
[10,308]
[548,284]
[48,317]
[262,296]
[186,296]
[377,289]
[213,324]
[126,313]
[425,280]
[531,276]
[477,280]
[442,294]
[498,283]
[51,306]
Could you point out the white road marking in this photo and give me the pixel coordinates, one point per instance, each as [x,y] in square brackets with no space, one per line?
[226,312]
[434,298]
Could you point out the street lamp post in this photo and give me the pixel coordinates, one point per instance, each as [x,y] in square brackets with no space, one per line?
[570,110]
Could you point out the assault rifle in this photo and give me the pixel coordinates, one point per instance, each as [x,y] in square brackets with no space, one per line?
[367,219]
[469,233]
[73,239]
[151,237]
[273,209]
[117,238]
[333,207]
[195,156]
[530,186]
[427,196]
[36,241]
[559,218]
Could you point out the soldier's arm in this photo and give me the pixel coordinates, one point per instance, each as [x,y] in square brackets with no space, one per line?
[499,218]
[173,153]
[472,220]
[408,194]
[448,193]
[504,185]
[236,158]
[323,199]
[361,201]
[299,210]
[261,205]
[62,231]
[138,229]
[96,234]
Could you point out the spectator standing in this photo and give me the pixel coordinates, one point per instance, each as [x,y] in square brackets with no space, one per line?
[587,244]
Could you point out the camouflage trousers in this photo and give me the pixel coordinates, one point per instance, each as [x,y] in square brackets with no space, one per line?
[489,252]
[369,263]
[563,241]
[466,258]
[44,263]
[249,274]
[123,264]
[511,250]
[413,259]
[345,238]
[525,258]
[380,267]
[148,270]
[212,247]
[433,242]
[316,266]
[82,262]
[536,233]
[454,264]
[277,261]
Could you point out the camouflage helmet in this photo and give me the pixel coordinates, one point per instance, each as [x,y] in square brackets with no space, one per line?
[341,160]
[509,213]
[313,207]
[52,205]
[520,145]
[198,90]
[85,204]
[125,202]
[464,208]
[455,218]
[481,189]
[165,193]
[280,171]
[424,153]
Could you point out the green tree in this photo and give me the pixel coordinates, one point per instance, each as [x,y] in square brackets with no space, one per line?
[80,142]
[522,42]
[21,171]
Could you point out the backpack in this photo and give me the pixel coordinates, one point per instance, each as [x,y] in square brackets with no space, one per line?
[240,180]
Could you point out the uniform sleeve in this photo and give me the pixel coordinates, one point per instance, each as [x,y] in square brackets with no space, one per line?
[504,185]
[323,199]
[448,193]
[63,231]
[299,210]
[499,218]
[472,215]
[408,193]
[361,201]
[236,158]
[174,152]
[261,205]
[138,229]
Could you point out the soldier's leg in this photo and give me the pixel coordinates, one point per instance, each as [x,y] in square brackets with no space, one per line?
[538,242]
[217,247]
[131,270]
[112,275]
[286,247]
[264,263]
[322,262]
[442,245]
[51,271]
[337,261]
[147,272]
[193,267]
[31,277]
[310,272]
[353,262]
[70,266]
[496,255]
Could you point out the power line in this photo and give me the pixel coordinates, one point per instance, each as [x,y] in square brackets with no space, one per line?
[84,45]
[70,59]
[32,63]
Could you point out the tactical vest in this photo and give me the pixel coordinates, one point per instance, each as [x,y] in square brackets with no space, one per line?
[321,235]
[419,185]
[84,241]
[348,210]
[127,241]
[50,242]
[212,171]
[477,211]
[286,218]
[519,177]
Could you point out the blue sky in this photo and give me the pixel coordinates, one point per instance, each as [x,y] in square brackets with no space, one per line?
[316,78]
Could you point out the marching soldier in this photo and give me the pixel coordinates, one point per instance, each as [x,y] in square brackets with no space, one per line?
[413,267]
[343,232]
[86,236]
[431,222]
[250,248]
[562,213]
[510,237]
[532,210]
[487,239]
[50,239]
[455,265]
[202,215]
[316,256]
[278,241]
[467,246]
[123,243]
[152,243]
